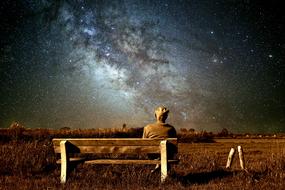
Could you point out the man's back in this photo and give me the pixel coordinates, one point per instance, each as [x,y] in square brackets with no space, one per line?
[159,130]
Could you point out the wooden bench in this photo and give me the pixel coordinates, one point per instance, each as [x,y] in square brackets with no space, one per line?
[136,146]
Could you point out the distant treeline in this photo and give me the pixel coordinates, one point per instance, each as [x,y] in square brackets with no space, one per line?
[17,132]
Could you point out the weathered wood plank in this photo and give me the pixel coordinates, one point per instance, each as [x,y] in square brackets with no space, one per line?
[113,161]
[113,141]
[111,149]
[110,161]
[163,157]
[64,161]
[72,160]
[102,161]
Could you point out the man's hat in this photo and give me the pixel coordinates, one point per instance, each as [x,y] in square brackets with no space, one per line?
[161,110]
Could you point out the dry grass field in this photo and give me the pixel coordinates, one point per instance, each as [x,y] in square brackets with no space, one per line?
[27,161]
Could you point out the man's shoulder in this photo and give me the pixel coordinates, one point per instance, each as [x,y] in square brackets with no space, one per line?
[150,126]
[170,126]
[159,125]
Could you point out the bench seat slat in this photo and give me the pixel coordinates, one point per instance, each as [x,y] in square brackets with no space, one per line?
[111,161]
[111,149]
[112,141]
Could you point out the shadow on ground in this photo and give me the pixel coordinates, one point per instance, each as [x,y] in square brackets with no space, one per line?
[202,178]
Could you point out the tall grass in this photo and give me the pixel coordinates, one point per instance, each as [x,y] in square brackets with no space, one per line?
[27,161]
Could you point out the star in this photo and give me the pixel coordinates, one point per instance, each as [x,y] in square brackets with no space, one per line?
[199,59]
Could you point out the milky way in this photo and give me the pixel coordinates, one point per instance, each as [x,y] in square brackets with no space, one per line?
[89,64]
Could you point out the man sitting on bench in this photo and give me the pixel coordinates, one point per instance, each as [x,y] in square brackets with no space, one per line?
[160,129]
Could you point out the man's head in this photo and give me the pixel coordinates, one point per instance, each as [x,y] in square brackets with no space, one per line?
[161,113]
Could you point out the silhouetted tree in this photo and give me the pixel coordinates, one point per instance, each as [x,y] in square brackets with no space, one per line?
[223,133]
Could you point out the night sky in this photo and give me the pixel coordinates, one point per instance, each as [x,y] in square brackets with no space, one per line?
[91,63]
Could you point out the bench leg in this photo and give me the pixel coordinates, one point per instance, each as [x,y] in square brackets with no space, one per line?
[163,157]
[64,161]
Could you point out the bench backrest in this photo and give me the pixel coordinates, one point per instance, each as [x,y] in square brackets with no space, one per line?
[111,145]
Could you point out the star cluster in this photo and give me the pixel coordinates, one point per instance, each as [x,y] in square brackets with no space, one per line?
[83,63]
